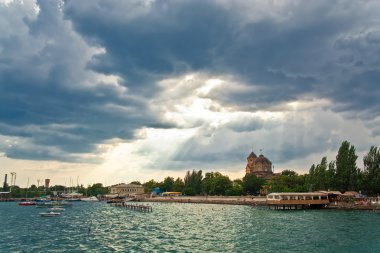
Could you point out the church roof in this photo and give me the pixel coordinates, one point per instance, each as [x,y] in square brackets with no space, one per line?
[252,155]
[262,159]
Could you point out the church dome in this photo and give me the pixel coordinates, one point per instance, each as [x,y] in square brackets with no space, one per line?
[262,159]
[259,166]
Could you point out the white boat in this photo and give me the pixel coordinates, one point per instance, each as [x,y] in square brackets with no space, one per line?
[72,196]
[50,214]
[56,209]
[90,199]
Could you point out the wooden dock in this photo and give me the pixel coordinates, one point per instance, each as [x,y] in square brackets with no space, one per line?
[140,208]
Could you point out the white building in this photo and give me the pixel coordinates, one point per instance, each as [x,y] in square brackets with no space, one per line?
[126,189]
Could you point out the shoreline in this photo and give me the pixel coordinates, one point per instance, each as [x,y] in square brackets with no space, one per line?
[252,201]
[233,200]
[249,201]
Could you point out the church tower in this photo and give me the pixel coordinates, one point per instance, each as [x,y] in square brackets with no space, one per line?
[250,163]
[259,166]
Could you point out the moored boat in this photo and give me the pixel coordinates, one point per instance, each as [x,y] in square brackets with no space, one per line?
[27,203]
[56,209]
[90,199]
[50,214]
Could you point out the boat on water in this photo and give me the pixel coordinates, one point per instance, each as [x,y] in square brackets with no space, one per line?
[90,199]
[50,214]
[56,209]
[51,204]
[73,196]
[27,203]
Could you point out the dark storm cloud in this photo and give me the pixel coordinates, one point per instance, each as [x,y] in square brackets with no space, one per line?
[45,100]
[296,56]
[324,49]
[171,38]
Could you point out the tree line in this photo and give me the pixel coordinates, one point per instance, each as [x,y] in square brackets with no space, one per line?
[212,183]
[341,174]
[37,191]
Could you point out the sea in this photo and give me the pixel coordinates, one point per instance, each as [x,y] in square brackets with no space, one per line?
[184,227]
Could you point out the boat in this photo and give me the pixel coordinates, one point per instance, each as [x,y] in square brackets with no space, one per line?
[73,196]
[56,209]
[27,203]
[50,214]
[129,199]
[90,199]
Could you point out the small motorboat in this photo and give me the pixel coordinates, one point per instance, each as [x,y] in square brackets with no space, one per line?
[90,199]
[27,203]
[50,214]
[56,209]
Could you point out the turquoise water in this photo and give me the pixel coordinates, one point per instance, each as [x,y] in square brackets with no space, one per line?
[174,227]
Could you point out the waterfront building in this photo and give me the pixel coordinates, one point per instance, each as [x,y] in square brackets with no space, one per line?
[297,200]
[259,166]
[4,195]
[126,189]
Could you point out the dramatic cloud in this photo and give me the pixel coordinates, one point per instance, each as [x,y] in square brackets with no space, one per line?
[143,85]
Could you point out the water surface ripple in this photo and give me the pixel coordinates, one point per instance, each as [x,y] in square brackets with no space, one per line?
[182,227]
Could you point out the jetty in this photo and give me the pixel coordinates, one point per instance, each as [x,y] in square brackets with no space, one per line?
[134,207]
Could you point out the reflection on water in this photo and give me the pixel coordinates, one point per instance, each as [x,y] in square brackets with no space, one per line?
[178,227]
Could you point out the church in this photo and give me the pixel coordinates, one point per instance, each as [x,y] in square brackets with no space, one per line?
[259,166]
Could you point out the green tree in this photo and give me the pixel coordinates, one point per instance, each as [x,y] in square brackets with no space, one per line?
[252,184]
[288,181]
[168,184]
[18,192]
[97,189]
[236,189]
[372,171]
[346,177]
[319,177]
[215,183]
[178,185]
[193,182]
[136,182]
[149,186]
[207,182]
[310,179]
[331,175]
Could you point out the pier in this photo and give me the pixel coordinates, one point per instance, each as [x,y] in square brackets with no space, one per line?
[295,201]
[140,208]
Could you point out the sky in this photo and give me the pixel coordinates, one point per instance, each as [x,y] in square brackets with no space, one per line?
[114,91]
